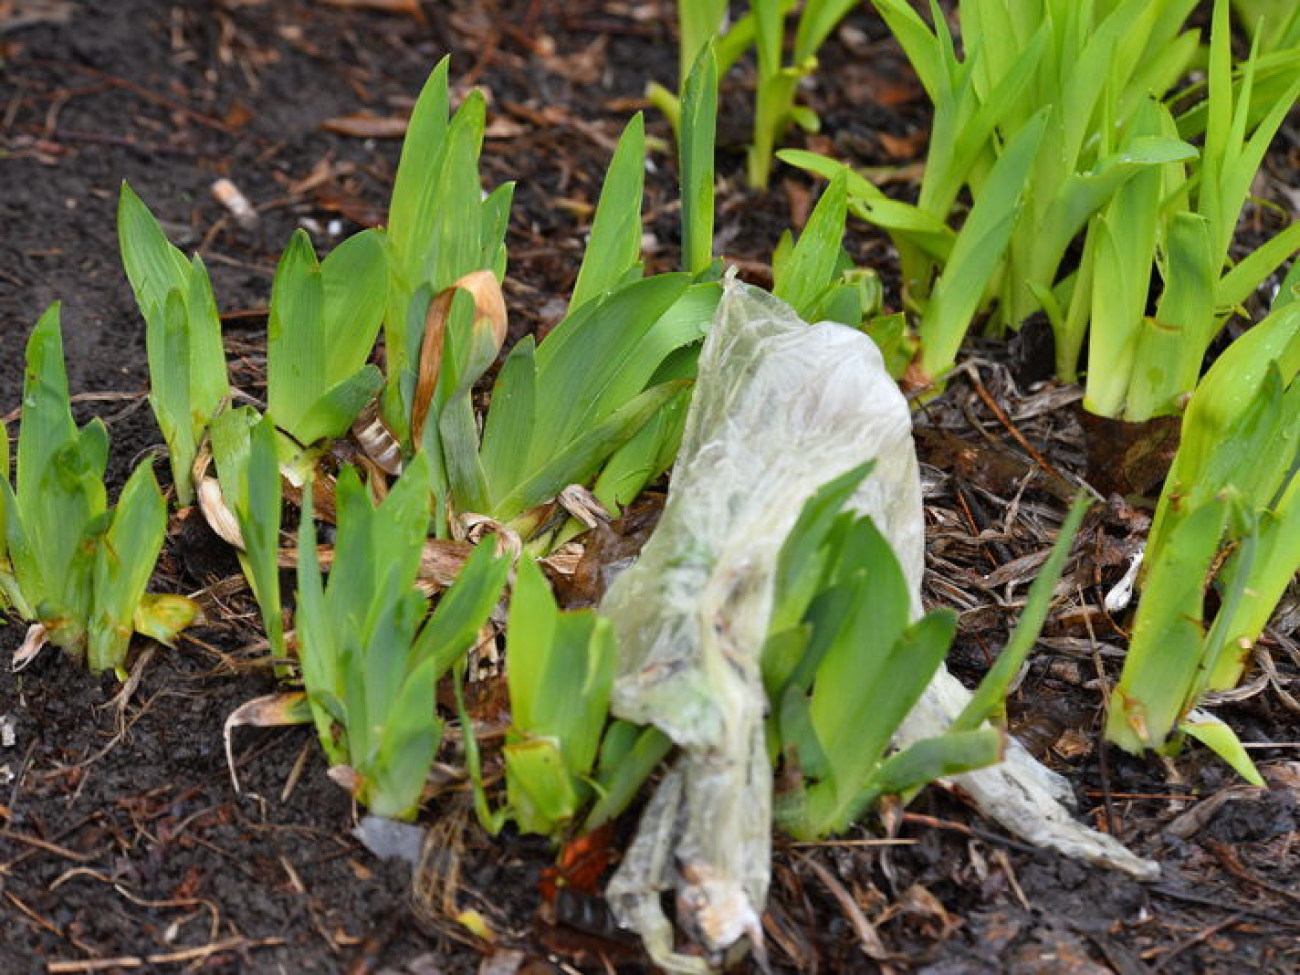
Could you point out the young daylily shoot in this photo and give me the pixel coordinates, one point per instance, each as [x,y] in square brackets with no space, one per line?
[324,318]
[74,567]
[847,670]
[440,228]
[371,652]
[1051,157]
[1229,518]
[187,365]
[560,673]
[843,666]
[244,447]
[599,401]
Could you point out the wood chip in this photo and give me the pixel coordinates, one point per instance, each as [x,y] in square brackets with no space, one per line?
[408,7]
[366,126]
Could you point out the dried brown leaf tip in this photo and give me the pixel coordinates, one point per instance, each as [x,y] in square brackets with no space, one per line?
[489,317]
[489,302]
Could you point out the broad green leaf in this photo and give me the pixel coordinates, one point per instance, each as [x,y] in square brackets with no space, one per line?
[543,795]
[799,570]
[124,562]
[614,246]
[811,267]
[244,449]
[560,675]
[152,264]
[508,430]
[258,512]
[649,453]
[59,504]
[1260,569]
[318,649]
[412,213]
[624,770]
[187,365]
[323,322]
[409,743]
[338,407]
[1238,284]
[456,246]
[579,459]
[863,693]
[935,758]
[629,334]
[977,252]
[1228,423]
[496,219]
[1171,347]
[1165,650]
[696,152]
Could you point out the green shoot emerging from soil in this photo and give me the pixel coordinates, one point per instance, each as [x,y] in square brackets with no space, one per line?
[75,567]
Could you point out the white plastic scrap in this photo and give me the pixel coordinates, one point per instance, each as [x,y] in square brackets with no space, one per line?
[780,408]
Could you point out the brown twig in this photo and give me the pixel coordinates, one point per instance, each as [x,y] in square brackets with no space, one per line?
[141,92]
[1001,415]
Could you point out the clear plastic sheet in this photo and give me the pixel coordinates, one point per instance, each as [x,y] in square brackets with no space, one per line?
[780,408]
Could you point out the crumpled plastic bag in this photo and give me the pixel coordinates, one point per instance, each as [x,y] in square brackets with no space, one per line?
[780,408]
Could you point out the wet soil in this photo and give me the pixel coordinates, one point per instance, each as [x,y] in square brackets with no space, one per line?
[123,843]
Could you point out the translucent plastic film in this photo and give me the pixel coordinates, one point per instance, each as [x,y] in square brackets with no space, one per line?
[780,408]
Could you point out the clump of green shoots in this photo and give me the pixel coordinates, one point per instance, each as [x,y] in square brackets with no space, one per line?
[600,400]
[598,403]
[844,665]
[76,568]
[1228,518]
[560,673]
[187,365]
[706,23]
[371,652]
[1052,157]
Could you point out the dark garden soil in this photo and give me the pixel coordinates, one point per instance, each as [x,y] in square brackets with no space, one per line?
[123,844]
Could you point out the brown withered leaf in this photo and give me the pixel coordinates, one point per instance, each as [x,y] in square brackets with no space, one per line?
[435,330]
[1129,458]
[268,711]
[607,550]
[489,306]
[378,442]
[440,562]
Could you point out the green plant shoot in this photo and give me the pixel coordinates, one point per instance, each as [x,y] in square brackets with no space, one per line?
[560,672]
[371,653]
[843,667]
[75,567]
[440,228]
[244,447]
[1232,491]
[324,318]
[187,365]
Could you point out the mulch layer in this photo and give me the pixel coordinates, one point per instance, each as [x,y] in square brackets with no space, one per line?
[123,843]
